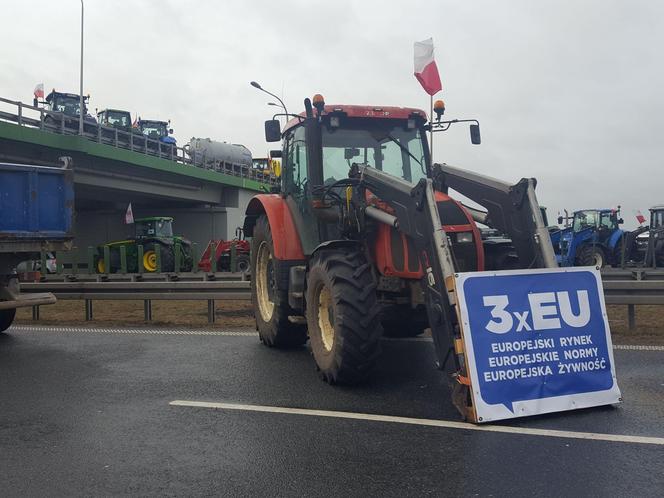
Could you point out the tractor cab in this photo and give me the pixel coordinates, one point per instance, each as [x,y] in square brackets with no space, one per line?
[156,130]
[155,227]
[594,239]
[67,104]
[115,118]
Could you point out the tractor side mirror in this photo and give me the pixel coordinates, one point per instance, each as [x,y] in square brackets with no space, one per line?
[475,137]
[272,130]
[275,154]
[170,131]
[560,220]
[620,221]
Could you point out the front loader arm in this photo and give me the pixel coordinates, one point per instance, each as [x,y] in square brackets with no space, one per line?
[416,215]
[512,209]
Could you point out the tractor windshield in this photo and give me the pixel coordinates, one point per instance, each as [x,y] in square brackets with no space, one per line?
[118,119]
[154,129]
[67,104]
[584,219]
[388,147]
[154,228]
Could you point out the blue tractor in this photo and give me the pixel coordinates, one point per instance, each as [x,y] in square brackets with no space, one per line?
[594,239]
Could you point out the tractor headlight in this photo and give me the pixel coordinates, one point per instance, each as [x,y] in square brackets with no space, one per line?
[464,237]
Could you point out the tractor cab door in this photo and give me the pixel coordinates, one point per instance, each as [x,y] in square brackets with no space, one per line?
[297,187]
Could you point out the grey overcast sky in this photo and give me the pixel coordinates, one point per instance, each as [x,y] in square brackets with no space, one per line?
[569,92]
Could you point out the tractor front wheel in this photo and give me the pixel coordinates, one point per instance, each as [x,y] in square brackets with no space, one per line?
[591,256]
[271,307]
[150,261]
[342,316]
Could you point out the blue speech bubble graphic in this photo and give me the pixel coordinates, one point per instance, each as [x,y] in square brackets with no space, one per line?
[537,336]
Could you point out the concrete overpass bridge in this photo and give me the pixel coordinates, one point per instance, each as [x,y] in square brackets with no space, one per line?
[113,168]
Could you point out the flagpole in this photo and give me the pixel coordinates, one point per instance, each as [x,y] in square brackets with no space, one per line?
[431,129]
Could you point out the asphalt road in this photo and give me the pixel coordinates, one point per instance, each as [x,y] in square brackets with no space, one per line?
[88,413]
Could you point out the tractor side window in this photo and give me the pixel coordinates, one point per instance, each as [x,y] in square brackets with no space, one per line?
[297,158]
[608,221]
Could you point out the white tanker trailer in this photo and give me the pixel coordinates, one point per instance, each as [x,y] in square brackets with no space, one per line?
[219,155]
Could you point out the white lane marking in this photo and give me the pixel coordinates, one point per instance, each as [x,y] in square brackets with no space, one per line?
[616,438]
[630,347]
[104,330]
[238,333]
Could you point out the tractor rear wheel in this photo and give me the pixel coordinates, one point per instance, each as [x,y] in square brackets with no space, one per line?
[271,308]
[6,318]
[591,256]
[342,316]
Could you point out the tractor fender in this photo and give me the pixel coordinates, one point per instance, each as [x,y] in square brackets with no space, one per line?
[615,239]
[287,245]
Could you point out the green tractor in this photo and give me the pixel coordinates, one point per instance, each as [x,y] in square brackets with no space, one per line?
[155,235]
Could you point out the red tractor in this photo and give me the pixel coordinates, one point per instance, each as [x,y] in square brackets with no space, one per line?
[363,239]
[223,250]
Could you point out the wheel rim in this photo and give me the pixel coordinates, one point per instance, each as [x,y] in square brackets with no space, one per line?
[326,317]
[264,281]
[150,261]
[242,265]
[101,266]
[599,261]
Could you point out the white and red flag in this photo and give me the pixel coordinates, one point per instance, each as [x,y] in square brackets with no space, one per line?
[39,91]
[640,218]
[129,215]
[426,70]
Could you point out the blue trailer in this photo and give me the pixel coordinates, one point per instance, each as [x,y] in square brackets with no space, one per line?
[36,214]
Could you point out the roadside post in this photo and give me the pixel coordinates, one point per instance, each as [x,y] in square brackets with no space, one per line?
[536,341]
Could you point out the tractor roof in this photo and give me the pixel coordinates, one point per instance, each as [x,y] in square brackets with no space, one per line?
[601,210]
[152,121]
[155,218]
[657,207]
[365,111]
[115,110]
[53,94]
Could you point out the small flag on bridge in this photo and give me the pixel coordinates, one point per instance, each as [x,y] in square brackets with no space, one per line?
[129,215]
[39,91]
[640,218]
[426,70]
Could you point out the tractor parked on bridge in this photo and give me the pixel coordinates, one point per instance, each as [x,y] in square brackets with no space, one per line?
[594,239]
[66,107]
[158,131]
[116,118]
[649,240]
[152,235]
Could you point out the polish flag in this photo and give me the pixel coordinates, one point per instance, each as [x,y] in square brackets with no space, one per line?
[426,70]
[39,90]
[129,215]
[640,218]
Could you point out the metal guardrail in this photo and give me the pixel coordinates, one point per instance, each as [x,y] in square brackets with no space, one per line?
[59,123]
[206,288]
[621,287]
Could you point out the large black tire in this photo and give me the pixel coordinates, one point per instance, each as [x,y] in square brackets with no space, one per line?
[403,321]
[590,255]
[6,319]
[342,315]
[270,304]
[167,254]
